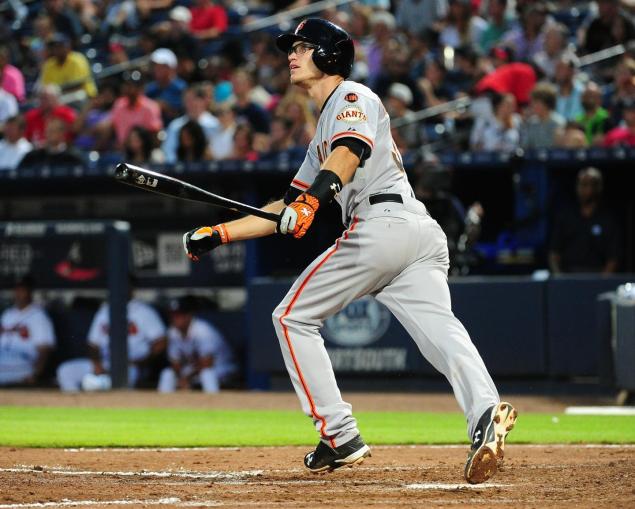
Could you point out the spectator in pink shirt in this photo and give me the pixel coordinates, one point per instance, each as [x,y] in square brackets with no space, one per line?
[134,109]
[11,79]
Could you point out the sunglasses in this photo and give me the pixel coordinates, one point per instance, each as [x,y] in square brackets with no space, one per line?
[300,49]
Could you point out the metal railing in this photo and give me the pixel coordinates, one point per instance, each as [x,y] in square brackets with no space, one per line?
[297,12]
[603,54]
[433,111]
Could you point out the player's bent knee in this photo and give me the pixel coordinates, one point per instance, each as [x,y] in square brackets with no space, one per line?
[277,314]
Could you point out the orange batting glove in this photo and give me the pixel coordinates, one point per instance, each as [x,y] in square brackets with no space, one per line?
[298,215]
[199,241]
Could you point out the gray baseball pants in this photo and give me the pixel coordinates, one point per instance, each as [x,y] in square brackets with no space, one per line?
[398,254]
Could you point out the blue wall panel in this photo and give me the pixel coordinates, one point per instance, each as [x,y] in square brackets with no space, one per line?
[506,321]
[574,346]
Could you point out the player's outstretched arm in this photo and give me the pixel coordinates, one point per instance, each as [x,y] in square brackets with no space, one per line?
[200,240]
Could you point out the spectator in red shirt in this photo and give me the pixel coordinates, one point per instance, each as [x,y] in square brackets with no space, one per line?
[515,78]
[134,108]
[209,19]
[623,135]
[49,107]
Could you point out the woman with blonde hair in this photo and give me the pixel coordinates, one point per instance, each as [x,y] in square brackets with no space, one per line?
[296,107]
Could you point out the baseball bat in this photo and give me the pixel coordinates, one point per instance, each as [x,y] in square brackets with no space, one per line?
[149,180]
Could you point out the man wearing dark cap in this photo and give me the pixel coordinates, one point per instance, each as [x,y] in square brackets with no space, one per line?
[68,69]
[26,337]
[146,344]
[197,352]
[134,108]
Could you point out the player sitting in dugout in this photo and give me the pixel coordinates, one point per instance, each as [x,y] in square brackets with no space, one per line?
[26,337]
[146,343]
[197,351]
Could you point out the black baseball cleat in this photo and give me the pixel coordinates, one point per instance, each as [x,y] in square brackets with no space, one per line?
[488,442]
[327,459]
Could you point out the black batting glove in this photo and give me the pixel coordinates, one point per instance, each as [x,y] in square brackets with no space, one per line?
[201,240]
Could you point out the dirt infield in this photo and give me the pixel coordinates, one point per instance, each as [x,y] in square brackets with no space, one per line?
[402,476]
[272,477]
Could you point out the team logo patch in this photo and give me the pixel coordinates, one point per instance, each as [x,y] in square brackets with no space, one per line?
[352,114]
[300,26]
[351,98]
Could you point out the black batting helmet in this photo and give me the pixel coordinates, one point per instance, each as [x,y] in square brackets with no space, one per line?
[334,52]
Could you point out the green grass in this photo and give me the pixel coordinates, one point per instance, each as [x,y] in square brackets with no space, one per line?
[112,427]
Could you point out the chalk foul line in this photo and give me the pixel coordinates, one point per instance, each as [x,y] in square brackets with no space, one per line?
[228,475]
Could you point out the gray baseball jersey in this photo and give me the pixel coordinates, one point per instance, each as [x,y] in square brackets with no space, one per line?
[392,250]
[355,111]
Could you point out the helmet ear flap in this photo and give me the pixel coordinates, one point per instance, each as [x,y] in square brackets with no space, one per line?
[346,55]
[326,61]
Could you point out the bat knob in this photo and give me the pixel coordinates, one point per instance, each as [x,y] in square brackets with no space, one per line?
[122,171]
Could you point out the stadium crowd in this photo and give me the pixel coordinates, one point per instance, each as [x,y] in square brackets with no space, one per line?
[190,80]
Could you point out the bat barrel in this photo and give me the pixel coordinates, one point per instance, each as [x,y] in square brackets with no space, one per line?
[149,180]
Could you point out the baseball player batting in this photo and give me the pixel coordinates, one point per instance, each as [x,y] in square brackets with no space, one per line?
[392,249]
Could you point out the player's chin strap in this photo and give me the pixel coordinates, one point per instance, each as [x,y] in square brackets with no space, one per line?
[325,187]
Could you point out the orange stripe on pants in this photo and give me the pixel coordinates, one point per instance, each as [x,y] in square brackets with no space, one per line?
[286,332]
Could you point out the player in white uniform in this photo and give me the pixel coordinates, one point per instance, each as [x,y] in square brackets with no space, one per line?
[146,338]
[196,350]
[392,250]
[26,338]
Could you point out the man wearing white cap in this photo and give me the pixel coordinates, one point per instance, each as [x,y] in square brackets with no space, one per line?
[167,88]
[398,106]
[181,14]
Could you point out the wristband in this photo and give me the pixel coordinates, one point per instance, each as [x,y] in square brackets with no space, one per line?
[325,186]
[222,231]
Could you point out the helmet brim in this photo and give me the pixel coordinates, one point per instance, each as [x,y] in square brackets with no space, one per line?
[284,42]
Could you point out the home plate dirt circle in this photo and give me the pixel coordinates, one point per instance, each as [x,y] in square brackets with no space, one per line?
[407,476]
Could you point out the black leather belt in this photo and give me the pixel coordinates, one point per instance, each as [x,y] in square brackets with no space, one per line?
[381,198]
